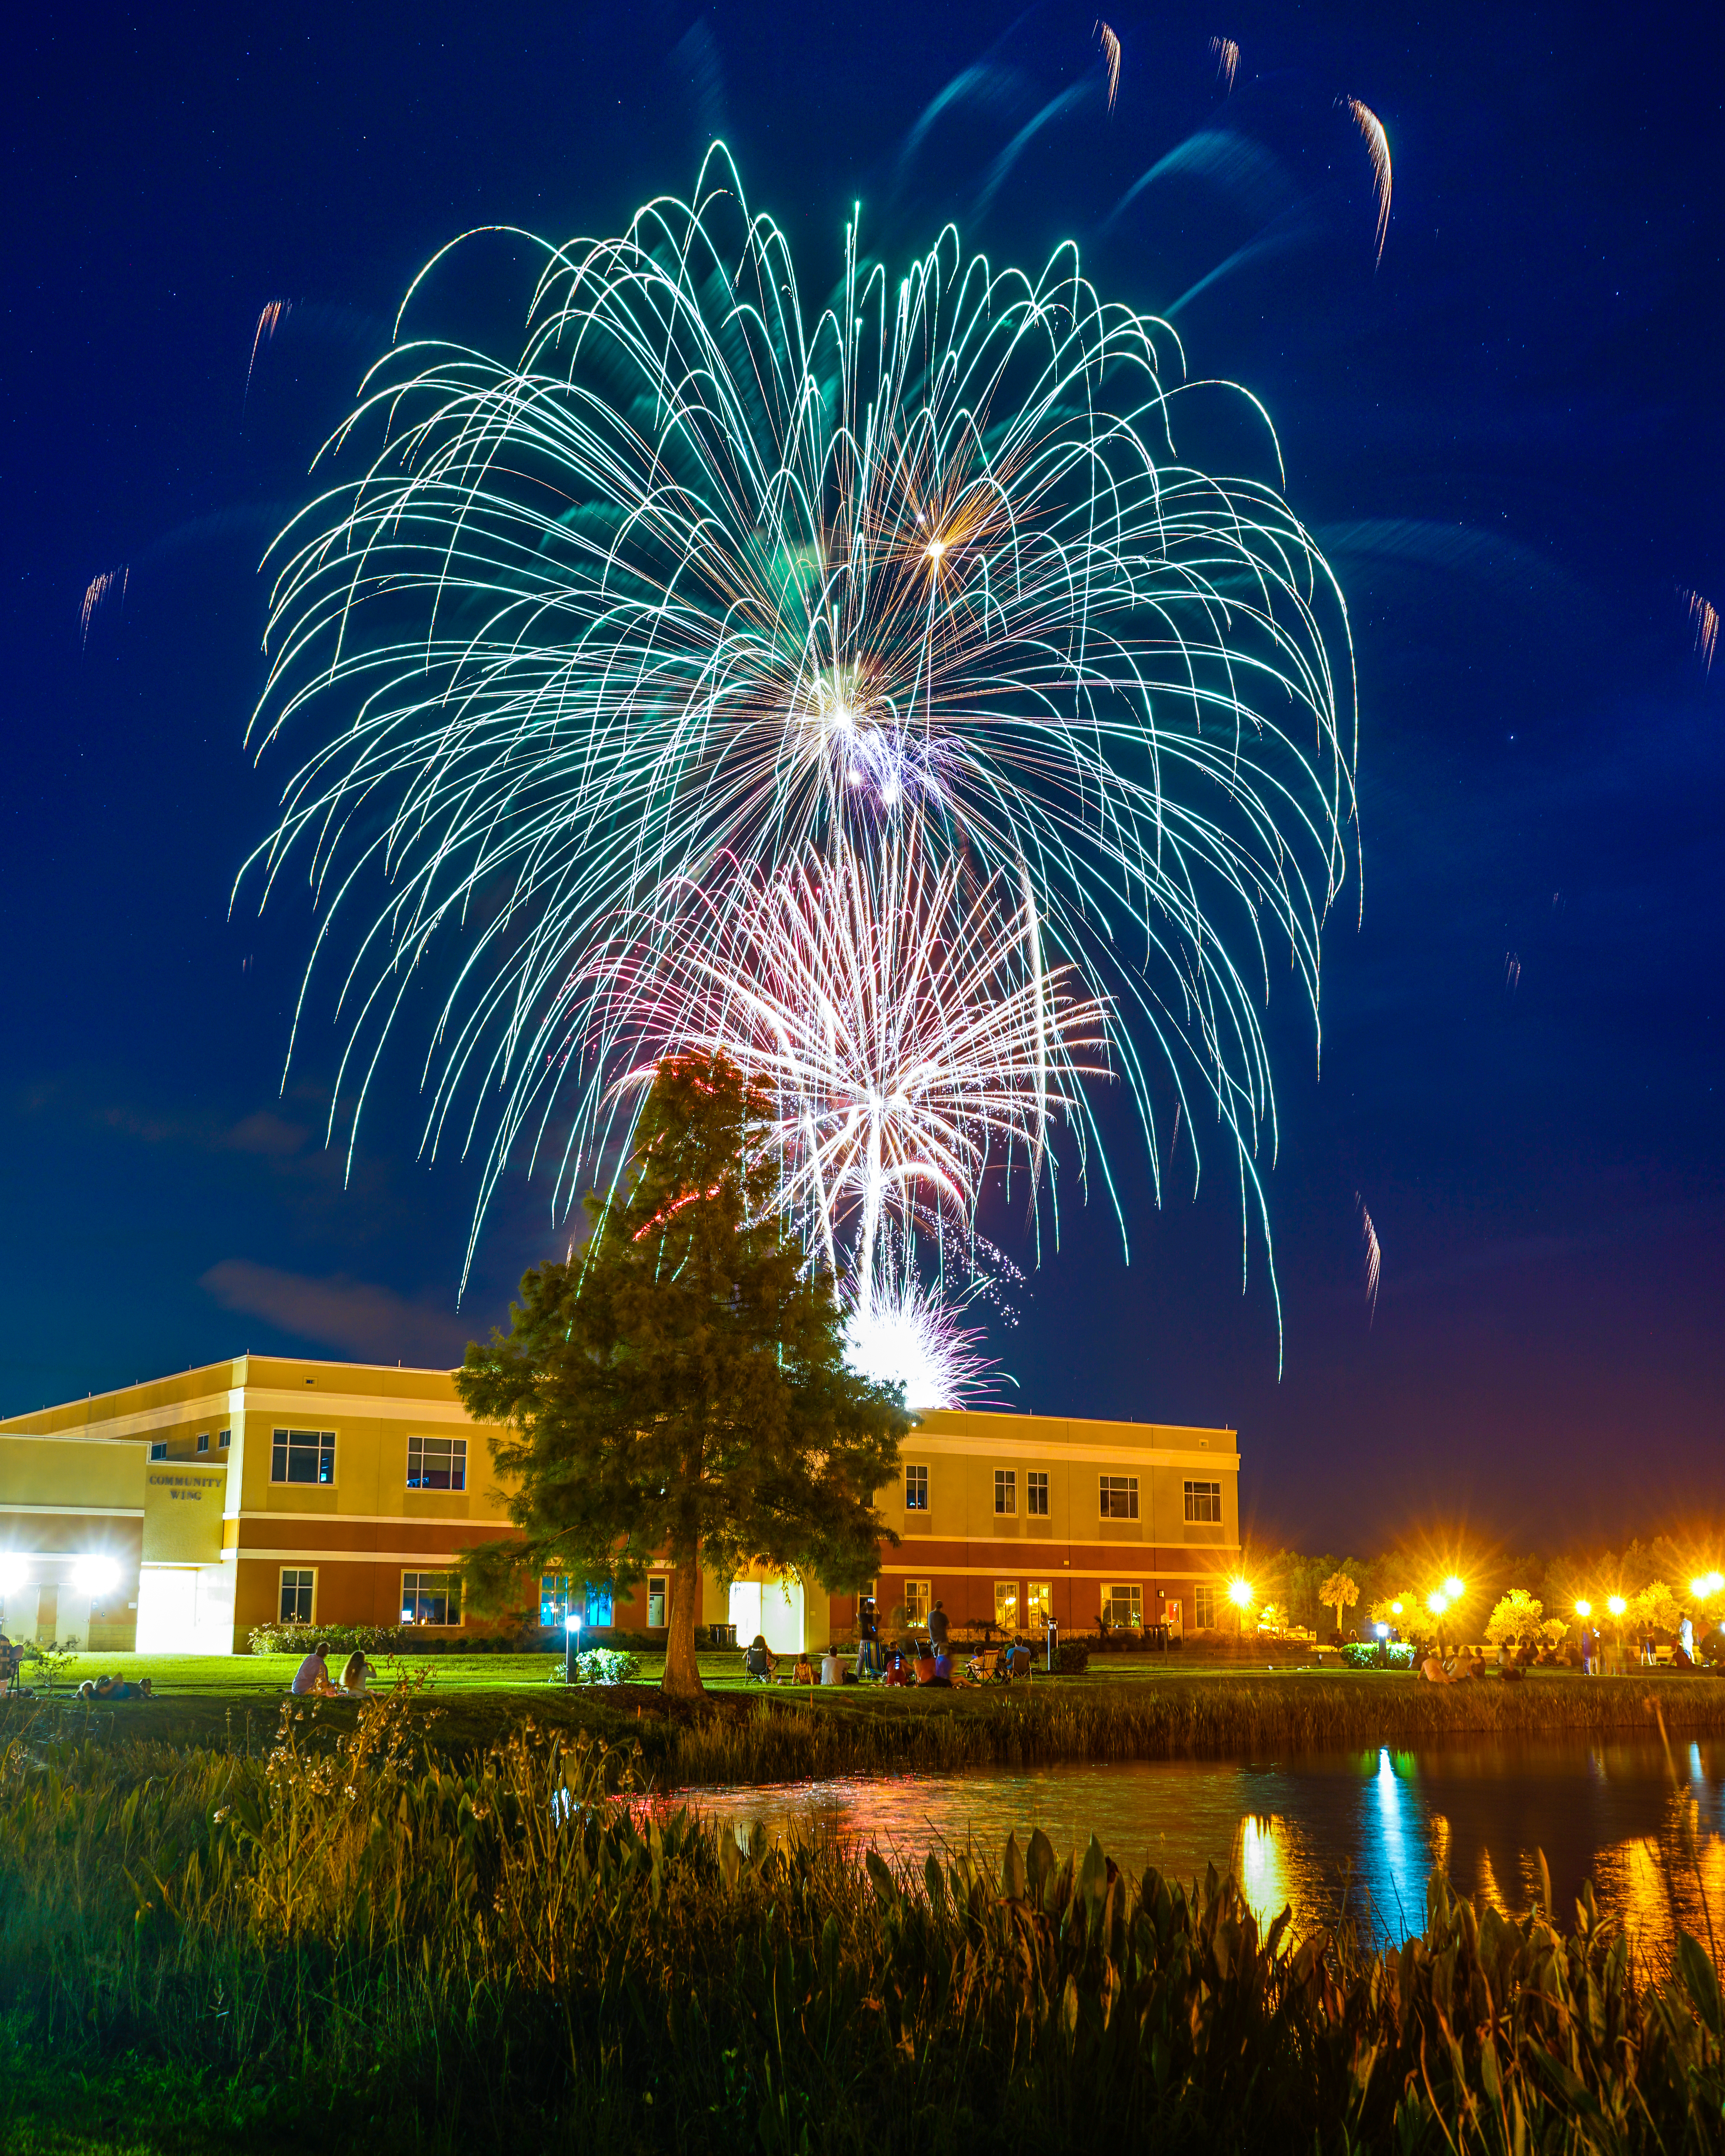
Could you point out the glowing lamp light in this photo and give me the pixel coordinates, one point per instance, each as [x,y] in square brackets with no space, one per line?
[1395,1609]
[1454,1589]
[1584,1609]
[1437,1602]
[1716,1580]
[571,1645]
[1700,1589]
[14,1571]
[95,1575]
[1239,1593]
[1382,1631]
[1616,1605]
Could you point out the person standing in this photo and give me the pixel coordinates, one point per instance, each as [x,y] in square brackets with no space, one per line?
[938,1627]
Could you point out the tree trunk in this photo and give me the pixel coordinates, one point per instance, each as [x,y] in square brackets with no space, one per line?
[682,1672]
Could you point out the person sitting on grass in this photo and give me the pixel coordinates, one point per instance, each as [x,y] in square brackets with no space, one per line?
[311,1679]
[1018,1659]
[758,1660]
[898,1670]
[1433,1671]
[934,1668]
[357,1674]
[803,1670]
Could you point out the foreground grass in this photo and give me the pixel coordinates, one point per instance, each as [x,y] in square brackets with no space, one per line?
[745,1734]
[365,1948]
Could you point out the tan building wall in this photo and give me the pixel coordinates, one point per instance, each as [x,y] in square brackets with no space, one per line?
[187,1483]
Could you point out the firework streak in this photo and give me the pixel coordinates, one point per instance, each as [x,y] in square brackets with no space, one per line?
[870,690]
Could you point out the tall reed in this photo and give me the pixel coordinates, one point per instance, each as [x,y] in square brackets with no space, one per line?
[363,1947]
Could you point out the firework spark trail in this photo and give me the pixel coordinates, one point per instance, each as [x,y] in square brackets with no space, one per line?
[1512,972]
[708,578]
[907,1335]
[1225,52]
[1110,44]
[1378,143]
[269,321]
[1704,619]
[898,1014]
[96,592]
[1374,1255]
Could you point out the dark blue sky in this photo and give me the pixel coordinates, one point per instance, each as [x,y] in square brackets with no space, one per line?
[1508,437]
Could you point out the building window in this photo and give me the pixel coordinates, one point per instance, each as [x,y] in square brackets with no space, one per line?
[1203,1608]
[437,1463]
[1036,1496]
[1204,1503]
[1039,1603]
[916,1489]
[158,1450]
[297,1592]
[1006,1490]
[303,1455]
[224,1439]
[596,1608]
[431,1598]
[204,1440]
[1120,1496]
[553,1598]
[1006,1604]
[1123,1604]
[657,1598]
[916,1600]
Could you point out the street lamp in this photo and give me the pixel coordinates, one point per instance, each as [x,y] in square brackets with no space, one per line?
[1240,1594]
[571,1646]
[1616,1605]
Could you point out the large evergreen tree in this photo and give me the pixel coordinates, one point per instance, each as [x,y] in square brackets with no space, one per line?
[678,1389]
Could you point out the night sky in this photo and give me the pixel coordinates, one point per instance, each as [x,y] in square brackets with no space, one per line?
[1507,436]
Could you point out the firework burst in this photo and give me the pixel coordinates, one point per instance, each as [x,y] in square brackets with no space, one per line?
[900,1017]
[710,585]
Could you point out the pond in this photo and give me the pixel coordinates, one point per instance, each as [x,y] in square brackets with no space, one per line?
[1321,1832]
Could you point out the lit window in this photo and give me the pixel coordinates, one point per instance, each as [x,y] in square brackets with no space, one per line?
[159,1450]
[1204,1503]
[657,1598]
[431,1598]
[204,1440]
[1203,1608]
[1039,1602]
[296,1593]
[437,1463]
[1120,1496]
[1036,1496]
[1123,1604]
[303,1455]
[553,1598]
[916,1600]
[224,1439]
[916,1489]
[596,1607]
[1006,1490]
[1006,1604]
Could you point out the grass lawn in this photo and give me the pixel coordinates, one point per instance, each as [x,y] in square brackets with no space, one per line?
[1122,1708]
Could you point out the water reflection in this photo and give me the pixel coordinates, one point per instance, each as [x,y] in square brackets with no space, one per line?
[1357,1833]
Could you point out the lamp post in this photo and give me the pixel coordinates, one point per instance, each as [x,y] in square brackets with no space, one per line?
[571,1646]
[1616,1605]
[1584,1610]
[1240,1594]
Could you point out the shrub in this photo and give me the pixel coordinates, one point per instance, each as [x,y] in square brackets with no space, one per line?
[1071,1657]
[1397,1654]
[604,1666]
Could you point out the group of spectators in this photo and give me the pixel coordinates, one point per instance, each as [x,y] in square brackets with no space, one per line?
[311,1679]
[910,1660]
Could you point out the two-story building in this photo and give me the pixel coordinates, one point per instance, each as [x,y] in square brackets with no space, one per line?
[180,1513]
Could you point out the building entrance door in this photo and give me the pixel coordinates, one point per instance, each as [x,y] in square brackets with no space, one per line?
[1171,1617]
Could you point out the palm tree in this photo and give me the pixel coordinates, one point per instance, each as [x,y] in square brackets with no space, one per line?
[1339,1592]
